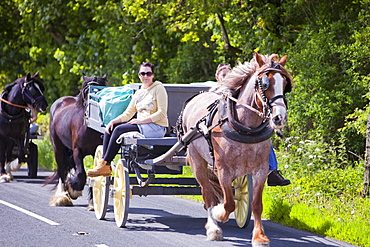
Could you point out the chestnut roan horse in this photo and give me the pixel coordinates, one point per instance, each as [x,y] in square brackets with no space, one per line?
[72,141]
[20,95]
[249,107]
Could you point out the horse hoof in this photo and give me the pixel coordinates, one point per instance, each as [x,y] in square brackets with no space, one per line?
[214,233]
[60,201]
[74,194]
[5,179]
[261,244]
[90,207]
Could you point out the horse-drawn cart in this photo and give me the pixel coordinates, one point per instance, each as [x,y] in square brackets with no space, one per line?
[26,151]
[152,156]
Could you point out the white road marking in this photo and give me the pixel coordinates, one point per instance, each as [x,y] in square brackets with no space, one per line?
[29,213]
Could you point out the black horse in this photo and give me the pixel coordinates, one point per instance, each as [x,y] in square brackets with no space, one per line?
[72,141]
[20,102]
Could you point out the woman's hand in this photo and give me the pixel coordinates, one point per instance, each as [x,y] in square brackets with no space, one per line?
[109,127]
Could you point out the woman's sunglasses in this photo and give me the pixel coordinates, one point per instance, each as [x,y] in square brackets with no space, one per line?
[146,73]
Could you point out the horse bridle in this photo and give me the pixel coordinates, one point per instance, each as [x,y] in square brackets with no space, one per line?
[26,92]
[262,84]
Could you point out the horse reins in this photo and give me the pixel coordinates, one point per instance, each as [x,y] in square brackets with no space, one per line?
[12,104]
[23,93]
[247,106]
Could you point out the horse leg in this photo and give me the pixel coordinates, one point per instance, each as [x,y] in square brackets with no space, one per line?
[60,197]
[223,210]
[90,206]
[4,177]
[200,170]
[214,232]
[8,162]
[77,181]
[259,238]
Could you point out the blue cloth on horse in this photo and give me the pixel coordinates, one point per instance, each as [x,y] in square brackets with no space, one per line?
[114,101]
[272,159]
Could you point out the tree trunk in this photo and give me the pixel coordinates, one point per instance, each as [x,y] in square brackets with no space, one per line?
[367,160]
[225,37]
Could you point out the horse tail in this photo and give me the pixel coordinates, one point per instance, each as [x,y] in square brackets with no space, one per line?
[217,191]
[51,179]
[213,180]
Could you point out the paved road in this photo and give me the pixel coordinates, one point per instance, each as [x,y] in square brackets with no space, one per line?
[27,220]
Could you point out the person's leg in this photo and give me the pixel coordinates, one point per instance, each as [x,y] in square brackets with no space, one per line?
[110,149]
[275,178]
[273,165]
[113,147]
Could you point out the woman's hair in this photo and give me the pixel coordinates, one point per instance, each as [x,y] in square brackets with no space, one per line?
[147,64]
[221,67]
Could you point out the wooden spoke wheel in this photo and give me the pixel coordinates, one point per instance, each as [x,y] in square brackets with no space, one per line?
[121,193]
[243,196]
[100,188]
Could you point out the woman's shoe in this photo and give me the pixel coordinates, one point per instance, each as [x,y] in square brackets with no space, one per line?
[102,169]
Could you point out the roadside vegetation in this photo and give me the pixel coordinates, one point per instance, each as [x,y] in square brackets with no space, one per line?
[325,194]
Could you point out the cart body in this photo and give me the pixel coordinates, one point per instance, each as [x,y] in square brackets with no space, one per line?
[150,156]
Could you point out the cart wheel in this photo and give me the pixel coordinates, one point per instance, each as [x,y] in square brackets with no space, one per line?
[243,196]
[121,193]
[100,188]
[32,161]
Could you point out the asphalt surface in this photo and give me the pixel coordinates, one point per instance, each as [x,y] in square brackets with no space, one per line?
[26,219]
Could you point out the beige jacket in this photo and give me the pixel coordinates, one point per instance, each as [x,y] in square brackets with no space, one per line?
[151,102]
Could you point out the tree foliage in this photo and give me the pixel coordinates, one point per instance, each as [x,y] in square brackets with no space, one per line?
[327,43]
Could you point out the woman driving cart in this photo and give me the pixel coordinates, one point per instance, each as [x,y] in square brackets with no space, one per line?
[150,103]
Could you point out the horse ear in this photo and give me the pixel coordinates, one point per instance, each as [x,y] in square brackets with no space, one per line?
[258,59]
[105,76]
[283,60]
[36,74]
[28,76]
[83,76]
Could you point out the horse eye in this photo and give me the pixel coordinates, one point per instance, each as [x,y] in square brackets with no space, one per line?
[265,83]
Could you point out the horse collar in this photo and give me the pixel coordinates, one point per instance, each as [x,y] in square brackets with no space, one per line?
[236,131]
[6,116]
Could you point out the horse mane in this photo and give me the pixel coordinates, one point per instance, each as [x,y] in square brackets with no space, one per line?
[100,81]
[20,80]
[242,72]
[9,87]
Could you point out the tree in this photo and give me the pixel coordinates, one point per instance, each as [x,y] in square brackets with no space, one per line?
[367,161]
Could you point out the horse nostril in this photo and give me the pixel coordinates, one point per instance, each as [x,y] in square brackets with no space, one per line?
[278,120]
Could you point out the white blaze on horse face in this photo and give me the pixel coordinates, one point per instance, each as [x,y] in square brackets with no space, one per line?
[38,88]
[279,114]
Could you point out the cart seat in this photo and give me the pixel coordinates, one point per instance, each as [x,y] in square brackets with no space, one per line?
[165,141]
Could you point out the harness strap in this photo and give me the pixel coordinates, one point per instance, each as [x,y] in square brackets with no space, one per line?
[10,103]
[207,129]
[247,106]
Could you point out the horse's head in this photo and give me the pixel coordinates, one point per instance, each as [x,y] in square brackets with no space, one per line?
[272,82]
[33,92]
[88,81]
[95,80]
